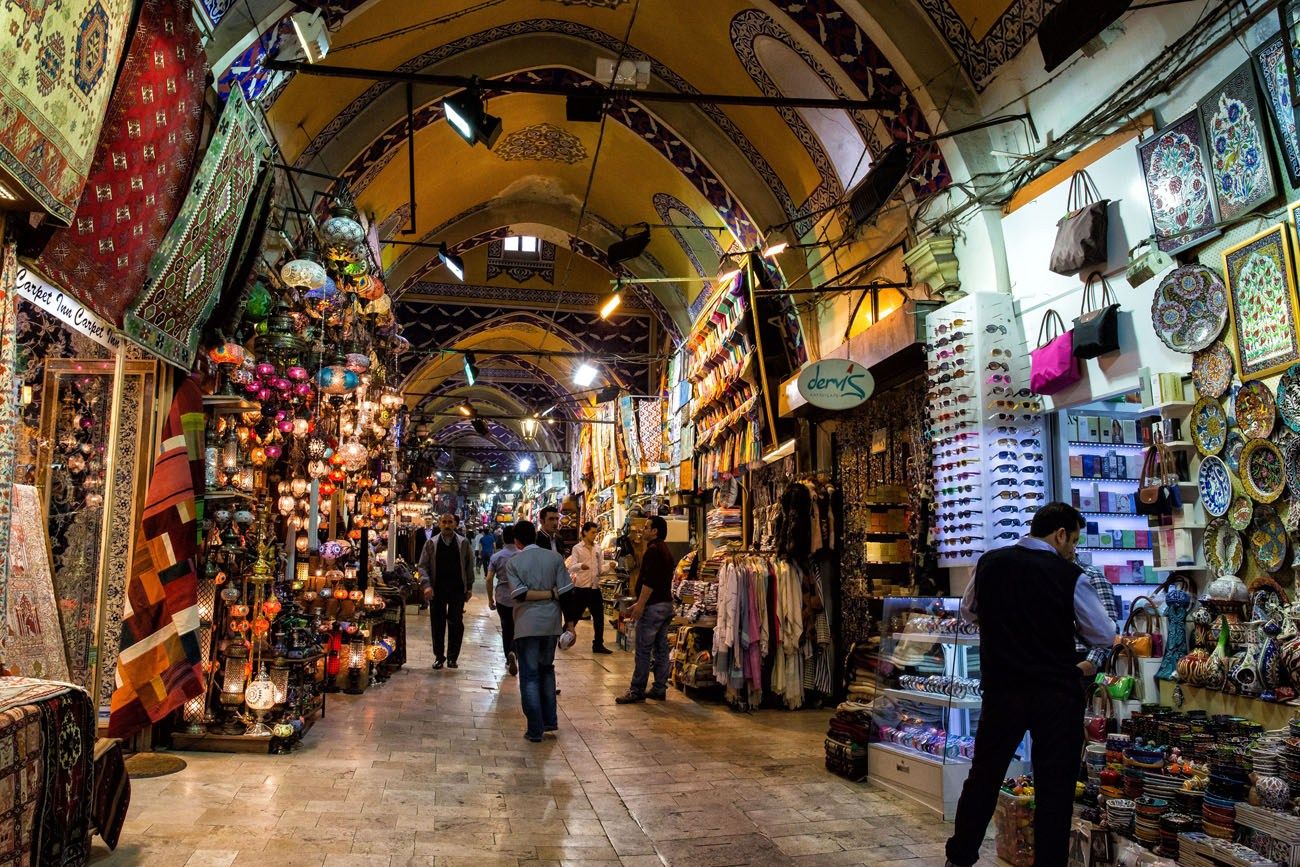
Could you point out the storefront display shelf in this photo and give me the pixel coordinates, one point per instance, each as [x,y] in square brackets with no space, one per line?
[938,638]
[1112,514]
[1195,567]
[888,562]
[1107,548]
[1108,445]
[910,753]
[227,494]
[229,403]
[1099,479]
[934,699]
[1169,409]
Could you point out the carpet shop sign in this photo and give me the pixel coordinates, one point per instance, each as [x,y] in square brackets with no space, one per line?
[68,310]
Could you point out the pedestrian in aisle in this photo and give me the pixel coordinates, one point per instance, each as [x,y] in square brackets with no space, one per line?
[422,538]
[653,613]
[584,570]
[499,599]
[447,568]
[537,581]
[1030,599]
[547,534]
[487,546]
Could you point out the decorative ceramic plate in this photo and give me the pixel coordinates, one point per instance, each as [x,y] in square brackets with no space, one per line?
[1268,539]
[1215,483]
[1223,549]
[1291,460]
[1288,397]
[1282,436]
[1232,449]
[1240,512]
[1255,409]
[1212,370]
[1263,473]
[1190,308]
[1209,426]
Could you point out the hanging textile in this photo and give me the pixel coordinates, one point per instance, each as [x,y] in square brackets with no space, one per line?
[141,167]
[761,628]
[185,276]
[56,76]
[158,668]
[650,433]
[33,644]
[9,407]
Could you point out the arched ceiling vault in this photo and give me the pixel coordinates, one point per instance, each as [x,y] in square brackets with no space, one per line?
[746,168]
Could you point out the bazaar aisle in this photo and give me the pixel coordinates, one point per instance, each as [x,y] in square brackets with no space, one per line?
[431,769]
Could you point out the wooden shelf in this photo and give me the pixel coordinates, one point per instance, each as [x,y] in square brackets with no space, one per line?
[1169,408]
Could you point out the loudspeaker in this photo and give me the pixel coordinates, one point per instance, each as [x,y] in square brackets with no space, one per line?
[585,107]
[627,248]
[880,183]
[1072,24]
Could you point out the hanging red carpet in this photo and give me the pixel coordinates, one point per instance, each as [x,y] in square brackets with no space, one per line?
[57,66]
[158,668]
[142,165]
[186,274]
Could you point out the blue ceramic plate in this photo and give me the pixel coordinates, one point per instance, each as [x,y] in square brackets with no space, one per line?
[1215,483]
[1232,450]
[1268,539]
[1288,397]
[1209,426]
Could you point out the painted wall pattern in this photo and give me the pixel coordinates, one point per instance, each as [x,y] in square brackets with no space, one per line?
[982,58]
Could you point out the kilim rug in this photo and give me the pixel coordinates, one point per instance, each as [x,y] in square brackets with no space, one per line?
[33,645]
[22,781]
[142,165]
[186,274]
[159,666]
[57,67]
[64,819]
[9,412]
[112,790]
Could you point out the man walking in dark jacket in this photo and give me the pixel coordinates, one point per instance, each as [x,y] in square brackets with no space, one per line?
[1029,600]
[447,569]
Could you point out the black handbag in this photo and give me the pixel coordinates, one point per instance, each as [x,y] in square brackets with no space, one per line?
[1096,331]
[1081,233]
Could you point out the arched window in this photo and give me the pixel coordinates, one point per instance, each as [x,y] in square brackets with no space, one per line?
[834,128]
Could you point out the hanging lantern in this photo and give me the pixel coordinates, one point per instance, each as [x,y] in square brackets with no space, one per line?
[353,456]
[273,451]
[360,265]
[357,362]
[337,379]
[299,486]
[317,469]
[342,233]
[337,475]
[367,287]
[271,607]
[327,489]
[304,273]
[286,503]
[300,543]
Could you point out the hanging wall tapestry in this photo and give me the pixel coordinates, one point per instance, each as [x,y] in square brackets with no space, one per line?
[142,166]
[187,273]
[56,75]
[1177,176]
[33,644]
[10,419]
[158,668]
[1238,146]
[1262,303]
[1274,74]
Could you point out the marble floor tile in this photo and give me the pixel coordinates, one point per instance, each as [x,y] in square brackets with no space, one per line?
[430,770]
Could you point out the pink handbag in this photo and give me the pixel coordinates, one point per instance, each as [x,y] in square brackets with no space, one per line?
[1053,366]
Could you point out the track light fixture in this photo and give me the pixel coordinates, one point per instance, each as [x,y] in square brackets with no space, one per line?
[733,269]
[612,302]
[470,120]
[627,248]
[480,427]
[471,369]
[467,409]
[455,264]
[585,374]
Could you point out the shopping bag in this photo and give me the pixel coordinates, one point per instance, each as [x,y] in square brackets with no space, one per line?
[1052,366]
[1081,233]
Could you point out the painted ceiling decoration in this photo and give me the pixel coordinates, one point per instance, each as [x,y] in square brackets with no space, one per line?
[524,370]
[673,211]
[521,267]
[981,47]
[566,28]
[505,296]
[543,142]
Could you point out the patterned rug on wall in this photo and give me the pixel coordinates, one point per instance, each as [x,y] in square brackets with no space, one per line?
[142,165]
[33,645]
[56,75]
[186,274]
[9,417]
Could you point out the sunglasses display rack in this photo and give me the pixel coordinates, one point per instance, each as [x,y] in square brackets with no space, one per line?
[985,427]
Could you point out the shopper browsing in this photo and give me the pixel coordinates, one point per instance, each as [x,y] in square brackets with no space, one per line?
[499,599]
[584,571]
[487,546]
[447,567]
[1093,659]
[1029,600]
[653,613]
[537,581]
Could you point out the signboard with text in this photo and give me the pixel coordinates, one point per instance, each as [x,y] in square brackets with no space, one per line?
[835,383]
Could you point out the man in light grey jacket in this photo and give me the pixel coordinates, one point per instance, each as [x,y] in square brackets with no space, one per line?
[447,572]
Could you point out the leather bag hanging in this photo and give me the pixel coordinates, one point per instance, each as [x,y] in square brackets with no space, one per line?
[1099,721]
[1158,495]
[1096,331]
[1081,233]
[1120,687]
[1144,638]
[1052,366]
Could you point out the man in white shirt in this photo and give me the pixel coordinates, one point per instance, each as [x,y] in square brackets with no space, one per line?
[584,571]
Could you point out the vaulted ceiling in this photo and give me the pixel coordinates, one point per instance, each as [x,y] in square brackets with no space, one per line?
[725,177]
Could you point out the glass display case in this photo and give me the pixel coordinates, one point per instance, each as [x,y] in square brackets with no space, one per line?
[928,701]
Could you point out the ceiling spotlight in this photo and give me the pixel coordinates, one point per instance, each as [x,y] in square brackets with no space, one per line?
[313,35]
[585,375]
[627,248]
[466,409]
[455,264]
[480,427]
[775,249]
[471,369]
[612,302]
[733,269]
[608,393]
[471,121]
[525,464]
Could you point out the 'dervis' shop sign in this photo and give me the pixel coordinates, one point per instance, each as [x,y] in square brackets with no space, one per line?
[835,383]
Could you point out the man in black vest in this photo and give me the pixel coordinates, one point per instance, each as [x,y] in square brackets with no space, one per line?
[1030,599]
[447,566]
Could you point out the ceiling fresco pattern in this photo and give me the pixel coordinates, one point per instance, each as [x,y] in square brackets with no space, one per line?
[982,48]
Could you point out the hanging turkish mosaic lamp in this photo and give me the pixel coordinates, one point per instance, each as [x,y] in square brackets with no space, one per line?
[335,378]
[368,287]
[354,455]
[342,233]
[304,272]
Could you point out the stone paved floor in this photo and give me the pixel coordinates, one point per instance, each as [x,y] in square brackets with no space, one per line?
[431,769]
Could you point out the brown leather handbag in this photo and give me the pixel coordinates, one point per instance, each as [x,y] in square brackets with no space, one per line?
[1144,638]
